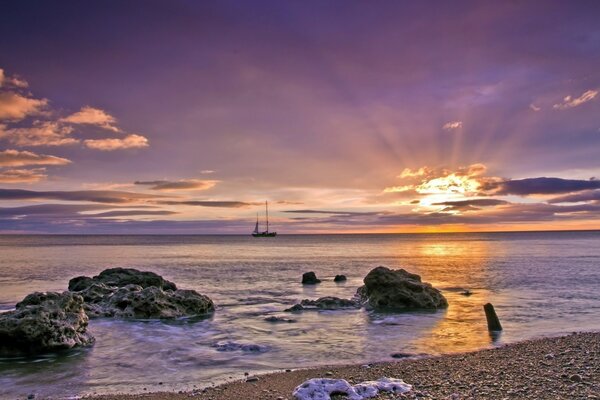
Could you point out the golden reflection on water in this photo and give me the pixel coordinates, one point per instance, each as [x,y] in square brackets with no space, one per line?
[456,266]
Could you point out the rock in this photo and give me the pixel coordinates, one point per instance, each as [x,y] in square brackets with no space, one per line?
[295,308]
[329,303]
[575,378]
[339,278]
[276,319]
[120,277]
[44,322]
[398,290]
[466,293]
[401,355]
[252,379]
[244,347]
[129,293]
[310,278]
[324,388]
[324,303]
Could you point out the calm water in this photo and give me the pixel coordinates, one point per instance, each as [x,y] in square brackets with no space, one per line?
[540,283]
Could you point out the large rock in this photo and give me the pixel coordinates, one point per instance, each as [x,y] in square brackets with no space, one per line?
[120,277]
[398,289]
[44,322]
[111,294]
[310,278]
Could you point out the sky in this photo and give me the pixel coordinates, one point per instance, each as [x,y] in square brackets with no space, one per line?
[184,117]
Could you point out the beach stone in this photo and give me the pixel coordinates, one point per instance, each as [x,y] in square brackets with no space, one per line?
[44,322]
[295,308]
[276,319]
[398,289]
[310,278]
[129,293]
[120,277]
[339,278]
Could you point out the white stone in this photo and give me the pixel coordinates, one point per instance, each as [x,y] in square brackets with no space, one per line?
[322,388]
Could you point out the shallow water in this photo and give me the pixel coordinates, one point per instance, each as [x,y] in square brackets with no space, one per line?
[540,284]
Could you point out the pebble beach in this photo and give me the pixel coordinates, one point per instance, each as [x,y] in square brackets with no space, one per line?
[566,367]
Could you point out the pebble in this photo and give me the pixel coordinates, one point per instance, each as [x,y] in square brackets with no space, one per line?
[252,379]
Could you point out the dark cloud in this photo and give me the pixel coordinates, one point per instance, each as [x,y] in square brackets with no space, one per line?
[543,185]
[209,203]
[588,195]
[331,212]
[94,196]
[470,205]
[184,184]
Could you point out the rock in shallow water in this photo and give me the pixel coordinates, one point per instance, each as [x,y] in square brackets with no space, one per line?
[310,278]
[114,293]
[339,278]
[44,322]
[398,289]
[120,277]
[324,303]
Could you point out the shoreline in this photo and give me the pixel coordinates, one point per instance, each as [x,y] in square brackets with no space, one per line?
[563,367]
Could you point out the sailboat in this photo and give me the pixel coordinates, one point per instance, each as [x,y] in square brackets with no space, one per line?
[256,232]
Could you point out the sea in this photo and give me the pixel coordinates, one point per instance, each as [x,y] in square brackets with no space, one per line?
[541,284]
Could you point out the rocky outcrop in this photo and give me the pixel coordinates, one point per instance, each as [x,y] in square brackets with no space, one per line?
[339,278]
[398,289]
[120,277]
[44,322]
[129,293]
[310,278]
[324,303]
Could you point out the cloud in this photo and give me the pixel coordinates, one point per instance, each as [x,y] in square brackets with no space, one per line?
[542,185]
[15,158]
[570,102]
[210,203]
[207,171]
[534,107]
[94,196]
[22,175]
[132,141]
[42,133]
[588,195]
[15,107]
[452,125]
[13,81]
[183,184]
[469,204]
[131,213]
[93,116]
[334,212]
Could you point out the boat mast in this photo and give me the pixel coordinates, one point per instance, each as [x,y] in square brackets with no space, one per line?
[267,213]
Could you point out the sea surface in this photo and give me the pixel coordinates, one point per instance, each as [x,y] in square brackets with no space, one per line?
[541,284]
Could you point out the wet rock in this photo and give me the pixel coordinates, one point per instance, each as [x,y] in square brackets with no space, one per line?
[119,277]
[44,322]
[244,347]
[398,289]
[339,278]
[276,319]
[324,388]
[329,303]
[133,301]
[129,293]
[310,278]
[466,293]
[295,308]
[400,355]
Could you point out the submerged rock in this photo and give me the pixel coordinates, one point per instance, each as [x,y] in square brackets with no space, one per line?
[44,322]
[339,278]
[324,303]
[398,289]
[310,278]
[323,388]
[276,319]
[110,295]
[244,347]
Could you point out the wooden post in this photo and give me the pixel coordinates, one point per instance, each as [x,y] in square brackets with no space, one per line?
[493,322]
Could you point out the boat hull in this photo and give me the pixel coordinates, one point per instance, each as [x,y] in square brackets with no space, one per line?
[265,234]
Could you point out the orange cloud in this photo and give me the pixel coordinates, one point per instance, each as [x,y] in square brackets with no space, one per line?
[15,107]
[42,133]
[132,141]
[15,158]
[183,184]
[93,116]
[570,102]
[22,175]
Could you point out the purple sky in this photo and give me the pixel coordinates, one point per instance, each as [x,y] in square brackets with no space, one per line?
[184,116]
